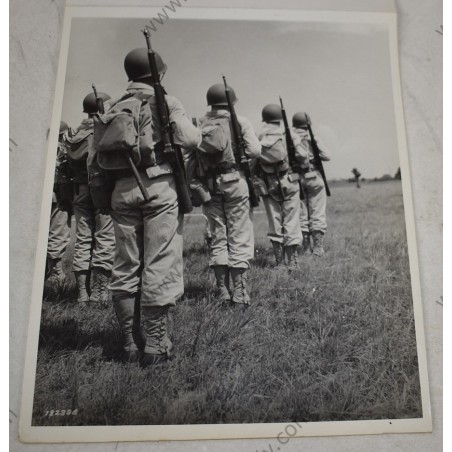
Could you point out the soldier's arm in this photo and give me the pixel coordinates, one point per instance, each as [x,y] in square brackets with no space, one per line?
[185,134]
[324,152]
[252,143]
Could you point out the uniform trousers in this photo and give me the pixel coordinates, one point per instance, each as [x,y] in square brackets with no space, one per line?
[228,214]
[59,233]
[314,189]
[94,238]
[148,257]
[284,215]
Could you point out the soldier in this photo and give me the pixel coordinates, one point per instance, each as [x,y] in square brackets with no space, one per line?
[60,219]
[281,189]
[356,175]
[95,241]
[228,211]
[313,207]
[147,268]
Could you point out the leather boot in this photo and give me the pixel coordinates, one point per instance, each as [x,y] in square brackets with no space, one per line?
[125,312]
[318,244]
[239,281]
[292,257]
[306,243]
[279,252]
[158,346]
[82,281]
[101,279]
[55,275]
[222,277]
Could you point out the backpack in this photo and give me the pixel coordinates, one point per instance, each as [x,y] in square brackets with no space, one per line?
[274,153]
[79,145]
[216,145]
[119,134]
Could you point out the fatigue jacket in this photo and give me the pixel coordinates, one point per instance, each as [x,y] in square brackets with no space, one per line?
[305,138]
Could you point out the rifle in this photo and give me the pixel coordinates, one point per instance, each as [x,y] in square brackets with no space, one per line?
[241,159]
[136,174]
[173,152]
[317,159]
[294,164]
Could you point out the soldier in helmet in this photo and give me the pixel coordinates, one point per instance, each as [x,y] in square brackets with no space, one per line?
[147,276]
[60,217]
[313,207]
[281,189]
[95,241]
[228,210]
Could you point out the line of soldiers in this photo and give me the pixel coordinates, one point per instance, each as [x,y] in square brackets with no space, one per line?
[127,204]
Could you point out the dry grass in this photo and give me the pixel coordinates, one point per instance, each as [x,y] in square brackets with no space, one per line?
[334,341]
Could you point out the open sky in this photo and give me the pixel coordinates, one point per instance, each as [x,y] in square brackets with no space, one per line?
[338,73]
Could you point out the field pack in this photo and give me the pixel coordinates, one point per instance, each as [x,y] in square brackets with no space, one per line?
[216,146]
[117,134]
[274,153]
[79,144]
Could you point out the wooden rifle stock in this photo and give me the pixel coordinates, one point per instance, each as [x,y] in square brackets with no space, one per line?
[296,167]
[170,150]
[317,159]
[241,159]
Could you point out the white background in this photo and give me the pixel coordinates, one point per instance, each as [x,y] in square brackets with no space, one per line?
[35,33]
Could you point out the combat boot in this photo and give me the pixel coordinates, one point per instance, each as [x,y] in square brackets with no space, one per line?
[81,278]
[55,274]
[126,315]
[318,244]
[292,257]
[239,281]
[306,243]
[101,279]
[158,346]
[279,252]
[222,277]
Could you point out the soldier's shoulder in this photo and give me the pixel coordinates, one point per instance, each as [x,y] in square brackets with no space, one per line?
[172,100]
[243,120]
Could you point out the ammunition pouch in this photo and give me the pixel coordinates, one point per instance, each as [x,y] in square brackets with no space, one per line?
[199,193]
[100,189]
[64,192]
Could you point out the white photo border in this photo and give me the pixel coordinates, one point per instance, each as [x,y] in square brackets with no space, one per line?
[51,434]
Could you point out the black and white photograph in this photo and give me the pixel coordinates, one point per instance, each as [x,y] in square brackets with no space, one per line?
[228,245]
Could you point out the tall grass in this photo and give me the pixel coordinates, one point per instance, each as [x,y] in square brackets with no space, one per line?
[332,341]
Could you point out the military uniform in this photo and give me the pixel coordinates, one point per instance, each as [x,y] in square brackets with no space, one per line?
[147,270]
[281,190]
[95,241]
[59,229]
[228,211]
[312,221]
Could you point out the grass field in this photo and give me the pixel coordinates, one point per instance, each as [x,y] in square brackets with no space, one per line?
[334,341]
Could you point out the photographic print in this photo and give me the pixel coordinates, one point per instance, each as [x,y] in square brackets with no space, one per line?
[228,245]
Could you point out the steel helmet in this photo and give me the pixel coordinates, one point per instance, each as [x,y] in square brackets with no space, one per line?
[63,128]
[90,104]
[216,95]
[136,64]
[271,113]
[300,119]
